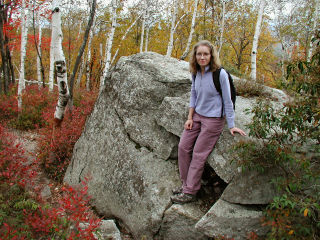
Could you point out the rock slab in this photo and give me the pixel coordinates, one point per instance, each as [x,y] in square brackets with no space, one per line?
[231,221]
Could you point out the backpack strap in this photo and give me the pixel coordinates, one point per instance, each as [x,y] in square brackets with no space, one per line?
[194,77]
[216,82]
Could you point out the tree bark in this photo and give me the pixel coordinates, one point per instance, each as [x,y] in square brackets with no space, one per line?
[81,50]
[147,39]
[60,63]
[172,30]
[109,44]
[4,86]
[193,23]
[40,68]
[24,31]
[51,69]
[253,74]
[143,26]
[123,38]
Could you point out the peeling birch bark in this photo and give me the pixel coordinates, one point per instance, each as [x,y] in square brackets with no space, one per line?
[253,74]
[109,44]
[60,63]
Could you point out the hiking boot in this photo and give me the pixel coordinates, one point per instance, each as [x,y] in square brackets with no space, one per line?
[183,198]
[177,190]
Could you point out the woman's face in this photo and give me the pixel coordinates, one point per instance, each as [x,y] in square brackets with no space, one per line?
[203,56]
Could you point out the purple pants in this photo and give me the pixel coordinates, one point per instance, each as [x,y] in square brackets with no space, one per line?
[194,148]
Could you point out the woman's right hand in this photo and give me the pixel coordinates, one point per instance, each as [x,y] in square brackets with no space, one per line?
[188,124]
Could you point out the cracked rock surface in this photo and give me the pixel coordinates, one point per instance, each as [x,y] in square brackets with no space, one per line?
[128,149]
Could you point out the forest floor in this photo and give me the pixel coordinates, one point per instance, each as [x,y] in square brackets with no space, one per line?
[51,191]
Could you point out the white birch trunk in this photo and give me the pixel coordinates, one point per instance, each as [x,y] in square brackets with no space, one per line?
[147,28]
[172,30]
[193,23]
[109,44]
[60,62]
[51,69]
[39,49]
[147,39]
[143,26]
[24,35]
[142,34]
[222,25]
[253,74]
[314,28]
[123,38]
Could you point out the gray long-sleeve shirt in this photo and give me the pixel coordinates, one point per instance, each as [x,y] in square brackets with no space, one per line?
[206,99]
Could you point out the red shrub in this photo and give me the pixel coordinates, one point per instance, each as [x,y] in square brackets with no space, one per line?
[56,144]
[21,215]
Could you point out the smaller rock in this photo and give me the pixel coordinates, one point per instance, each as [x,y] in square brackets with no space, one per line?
[179,223]
[231,221]
[107,230]
[46,192]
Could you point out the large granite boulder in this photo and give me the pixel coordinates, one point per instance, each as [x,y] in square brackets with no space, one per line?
[129,148]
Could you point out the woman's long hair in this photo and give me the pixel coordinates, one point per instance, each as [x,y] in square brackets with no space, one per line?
[214,63]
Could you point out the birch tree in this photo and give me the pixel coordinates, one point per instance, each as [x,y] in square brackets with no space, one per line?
[193,23]
[253,74]
[124,37]
[24,31]
[147,34]
[60,63]
[173,27]
[314,28]
[51,68]
[39,51]
[143,25]
[37,43]
[109,42]
[283,31]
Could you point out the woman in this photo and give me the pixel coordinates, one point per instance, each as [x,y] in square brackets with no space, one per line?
[204,124]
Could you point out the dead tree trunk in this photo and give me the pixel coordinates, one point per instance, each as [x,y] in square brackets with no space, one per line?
[4,85]
[81,50]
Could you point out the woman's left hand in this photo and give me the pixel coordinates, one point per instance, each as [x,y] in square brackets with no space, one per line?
[237,130]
